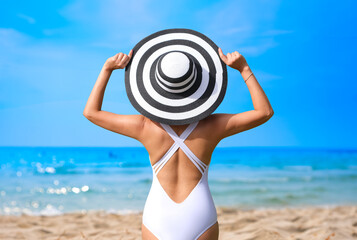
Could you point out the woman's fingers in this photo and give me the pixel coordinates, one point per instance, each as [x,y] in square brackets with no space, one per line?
[119,60]
[124,59]
[233,56]
[129,57]
[229,58]
[232,59]
[223,57]
[130,53]
[120,57]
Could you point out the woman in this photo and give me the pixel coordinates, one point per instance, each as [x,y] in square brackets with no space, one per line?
[180,177]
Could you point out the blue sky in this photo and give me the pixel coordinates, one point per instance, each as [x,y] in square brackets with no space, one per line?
[302,53]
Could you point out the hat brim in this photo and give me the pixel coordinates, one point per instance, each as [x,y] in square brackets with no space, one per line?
[199,101]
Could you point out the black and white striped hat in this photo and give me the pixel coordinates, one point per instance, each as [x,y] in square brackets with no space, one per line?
[176,77]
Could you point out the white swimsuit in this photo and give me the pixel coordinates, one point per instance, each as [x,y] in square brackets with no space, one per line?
[187,220]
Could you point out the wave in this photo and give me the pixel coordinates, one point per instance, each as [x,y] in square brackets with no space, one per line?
[49,210]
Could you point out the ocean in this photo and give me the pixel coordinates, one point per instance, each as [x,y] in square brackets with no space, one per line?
[56,180]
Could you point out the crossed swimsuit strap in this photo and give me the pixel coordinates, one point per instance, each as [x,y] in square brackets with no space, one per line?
[179,143]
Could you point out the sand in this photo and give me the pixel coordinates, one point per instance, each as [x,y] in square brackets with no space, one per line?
[325,223]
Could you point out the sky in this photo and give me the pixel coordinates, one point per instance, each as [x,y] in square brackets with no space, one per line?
[301,52]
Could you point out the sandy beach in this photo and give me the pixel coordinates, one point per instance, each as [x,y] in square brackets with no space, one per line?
[325,223]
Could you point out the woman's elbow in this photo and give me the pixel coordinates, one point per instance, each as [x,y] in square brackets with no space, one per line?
[87,114]
[267,114]
[270,113]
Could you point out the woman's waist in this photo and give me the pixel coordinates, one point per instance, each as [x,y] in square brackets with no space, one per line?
[200,193]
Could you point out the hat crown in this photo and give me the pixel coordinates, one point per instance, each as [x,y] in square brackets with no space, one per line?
[175,64]
[175,72]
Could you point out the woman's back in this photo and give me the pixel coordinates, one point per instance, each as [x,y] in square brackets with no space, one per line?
[179,175]
[179,204]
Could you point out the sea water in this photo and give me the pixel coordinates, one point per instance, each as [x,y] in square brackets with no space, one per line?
[55,180]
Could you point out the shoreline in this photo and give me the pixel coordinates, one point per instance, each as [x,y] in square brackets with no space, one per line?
[310,222]
[52,213]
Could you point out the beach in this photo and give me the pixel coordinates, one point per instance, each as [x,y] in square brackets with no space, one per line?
[320,223]
[99,193]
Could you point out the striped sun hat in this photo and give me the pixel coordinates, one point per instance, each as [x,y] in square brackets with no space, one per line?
[176,77]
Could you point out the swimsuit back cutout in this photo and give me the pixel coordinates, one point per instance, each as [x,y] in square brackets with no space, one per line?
[189,219]
[179,143]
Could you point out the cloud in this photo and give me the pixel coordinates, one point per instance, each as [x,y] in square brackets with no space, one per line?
[264,76]
[34,71]
[235,30]
[54,31]
[276,32]
[244,25]
[10,37]
[259,48]
[116,23]
[28,19]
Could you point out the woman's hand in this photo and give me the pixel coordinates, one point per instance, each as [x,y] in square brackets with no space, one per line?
[118,61]
[234,60]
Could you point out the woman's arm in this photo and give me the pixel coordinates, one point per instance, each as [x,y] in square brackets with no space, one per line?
[230,124]
[128,125]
